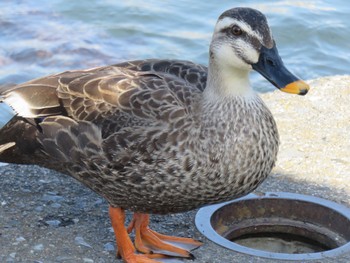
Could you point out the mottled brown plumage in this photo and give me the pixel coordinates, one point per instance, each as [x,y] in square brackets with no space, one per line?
[136,136]
[157,136]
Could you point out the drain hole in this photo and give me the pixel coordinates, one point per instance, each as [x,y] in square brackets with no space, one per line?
[282,239]
[281,243]
[278,226]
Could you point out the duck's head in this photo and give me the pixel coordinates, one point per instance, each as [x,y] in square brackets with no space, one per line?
[243,41]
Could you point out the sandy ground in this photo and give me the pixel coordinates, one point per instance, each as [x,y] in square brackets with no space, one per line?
[49,217]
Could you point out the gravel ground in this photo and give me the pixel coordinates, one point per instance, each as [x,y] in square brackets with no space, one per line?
[49,217]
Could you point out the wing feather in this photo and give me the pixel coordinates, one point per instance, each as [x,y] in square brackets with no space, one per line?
[113,97]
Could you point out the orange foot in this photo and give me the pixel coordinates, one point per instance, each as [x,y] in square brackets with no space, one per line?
[148,241]
[125,247]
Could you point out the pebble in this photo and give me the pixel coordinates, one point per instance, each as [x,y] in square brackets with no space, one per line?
[56,205]
[39,209]
[54,198]
[43,181]
[80,241]
[109,246]
[99,201]
[38,247]
[13,223]
[20,239]
[65,259]
[54,223]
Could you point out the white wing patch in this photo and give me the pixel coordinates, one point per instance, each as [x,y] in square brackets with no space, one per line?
[19,105]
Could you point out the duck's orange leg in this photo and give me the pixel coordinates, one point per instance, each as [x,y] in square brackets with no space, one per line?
[149,241]
[125,247]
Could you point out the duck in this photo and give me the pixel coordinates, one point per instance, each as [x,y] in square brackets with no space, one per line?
[156,136]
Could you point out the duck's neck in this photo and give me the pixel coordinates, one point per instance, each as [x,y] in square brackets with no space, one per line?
[225,82]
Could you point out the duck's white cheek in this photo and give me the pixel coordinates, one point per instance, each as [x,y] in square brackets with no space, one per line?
[227,56]
[249,53]
[234,55]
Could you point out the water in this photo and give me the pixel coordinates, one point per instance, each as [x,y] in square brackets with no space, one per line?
[39,37]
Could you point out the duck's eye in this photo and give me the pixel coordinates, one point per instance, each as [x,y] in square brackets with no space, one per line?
[236,30]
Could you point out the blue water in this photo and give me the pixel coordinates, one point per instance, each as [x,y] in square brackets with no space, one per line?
[40,37]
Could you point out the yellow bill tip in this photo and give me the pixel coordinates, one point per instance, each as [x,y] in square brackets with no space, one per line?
[297,87]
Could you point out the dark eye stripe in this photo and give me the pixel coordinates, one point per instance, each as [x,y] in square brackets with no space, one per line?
[225,30]
[246,37]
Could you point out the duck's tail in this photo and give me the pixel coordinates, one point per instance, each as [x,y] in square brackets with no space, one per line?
[18,142]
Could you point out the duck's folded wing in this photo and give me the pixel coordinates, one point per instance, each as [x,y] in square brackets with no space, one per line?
[111,98]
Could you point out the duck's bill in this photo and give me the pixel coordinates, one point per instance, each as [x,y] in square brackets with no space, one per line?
[270,65]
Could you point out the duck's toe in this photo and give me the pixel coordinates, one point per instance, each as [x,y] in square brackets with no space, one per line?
[149,241]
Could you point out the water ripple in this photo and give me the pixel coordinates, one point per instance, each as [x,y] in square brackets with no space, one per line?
[43,37]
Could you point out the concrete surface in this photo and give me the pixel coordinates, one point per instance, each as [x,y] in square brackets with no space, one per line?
[49,217]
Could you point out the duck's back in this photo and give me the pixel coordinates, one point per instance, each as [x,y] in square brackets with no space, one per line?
[138,93]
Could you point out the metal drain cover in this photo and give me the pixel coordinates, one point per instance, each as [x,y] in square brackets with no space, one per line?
[278,226]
